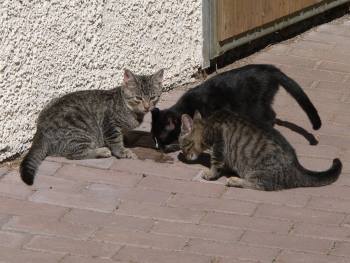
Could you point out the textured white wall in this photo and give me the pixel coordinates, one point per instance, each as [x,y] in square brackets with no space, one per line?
[50,48]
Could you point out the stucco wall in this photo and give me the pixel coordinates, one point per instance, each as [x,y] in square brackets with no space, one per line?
[49,48]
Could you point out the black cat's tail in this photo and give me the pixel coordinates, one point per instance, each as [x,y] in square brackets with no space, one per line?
[33,159]
[299,95]
[321,178]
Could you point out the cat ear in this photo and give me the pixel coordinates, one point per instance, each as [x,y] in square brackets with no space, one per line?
[128,76]
[186,124]
[197,115]
[158,76]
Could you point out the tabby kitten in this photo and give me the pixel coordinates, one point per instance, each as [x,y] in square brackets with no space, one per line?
[247,90]
[259,155]
[90,124]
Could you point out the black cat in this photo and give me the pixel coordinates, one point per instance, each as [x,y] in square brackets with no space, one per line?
[248,90]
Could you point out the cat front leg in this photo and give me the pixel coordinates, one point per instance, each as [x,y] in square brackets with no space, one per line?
[217,163]
[114,140]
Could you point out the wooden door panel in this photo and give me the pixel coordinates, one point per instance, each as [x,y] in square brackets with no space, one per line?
[238,16]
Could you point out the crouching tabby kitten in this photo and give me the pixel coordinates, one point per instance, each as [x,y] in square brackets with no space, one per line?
[90,124]
[258,154]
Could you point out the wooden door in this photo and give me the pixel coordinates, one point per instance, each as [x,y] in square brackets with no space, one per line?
[235,17]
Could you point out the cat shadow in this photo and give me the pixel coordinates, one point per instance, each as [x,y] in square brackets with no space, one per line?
[134,139]
[143,146]
[300,130]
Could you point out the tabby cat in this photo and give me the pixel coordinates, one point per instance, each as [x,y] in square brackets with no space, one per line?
[90,124]
[248,90]
[259,156]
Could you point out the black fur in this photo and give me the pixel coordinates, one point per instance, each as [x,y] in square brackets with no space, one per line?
[248,90]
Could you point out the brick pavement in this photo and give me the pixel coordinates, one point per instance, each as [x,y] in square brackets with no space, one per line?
[157,210]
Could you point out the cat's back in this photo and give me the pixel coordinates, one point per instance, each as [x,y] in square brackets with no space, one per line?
[78,102]
[229,88]
[250,130]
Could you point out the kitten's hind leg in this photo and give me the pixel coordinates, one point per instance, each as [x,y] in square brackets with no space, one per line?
[89,153]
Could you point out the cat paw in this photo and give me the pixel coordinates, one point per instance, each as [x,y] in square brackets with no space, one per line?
[126,154]
[103,152]
[235,182]
[207,175]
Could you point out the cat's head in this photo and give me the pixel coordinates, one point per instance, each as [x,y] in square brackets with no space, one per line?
[166,127]
[191,137]
[142,92]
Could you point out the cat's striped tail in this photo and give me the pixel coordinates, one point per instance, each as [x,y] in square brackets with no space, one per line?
[322,178]
[33,159]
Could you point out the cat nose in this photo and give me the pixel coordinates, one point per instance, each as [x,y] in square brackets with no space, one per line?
[146,106]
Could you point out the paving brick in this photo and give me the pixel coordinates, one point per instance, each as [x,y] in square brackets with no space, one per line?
[312,45]
[10,255]
[278,49]
[197,231]
[44,226]
[329,204]
[75,247]
[11,239]
[152,168]
[76,200]
[341,249]
[102,163]
[313,73]
[333,66]
[16,191]
[139,238]
[297,257]
[342,119]
[297,214]
[334,30]
[289,198]
[140,194]
[78,259]
[297,243]
[332,191]
[158,212]
[325,37]
[332,56]
[103,191]
[87,174]
[48,168]
[143,255]
[183,187]
[330,86]
[44,182]
[99,219]
[338,129]
[322,232]
[22,207]
[246,222]
[57,184]
[212,204]
[269,58]
[236,250]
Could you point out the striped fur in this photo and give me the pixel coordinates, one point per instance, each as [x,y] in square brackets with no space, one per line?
[258,155]
[90,124]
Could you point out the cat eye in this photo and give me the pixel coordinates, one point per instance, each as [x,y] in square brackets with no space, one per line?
[154,98]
